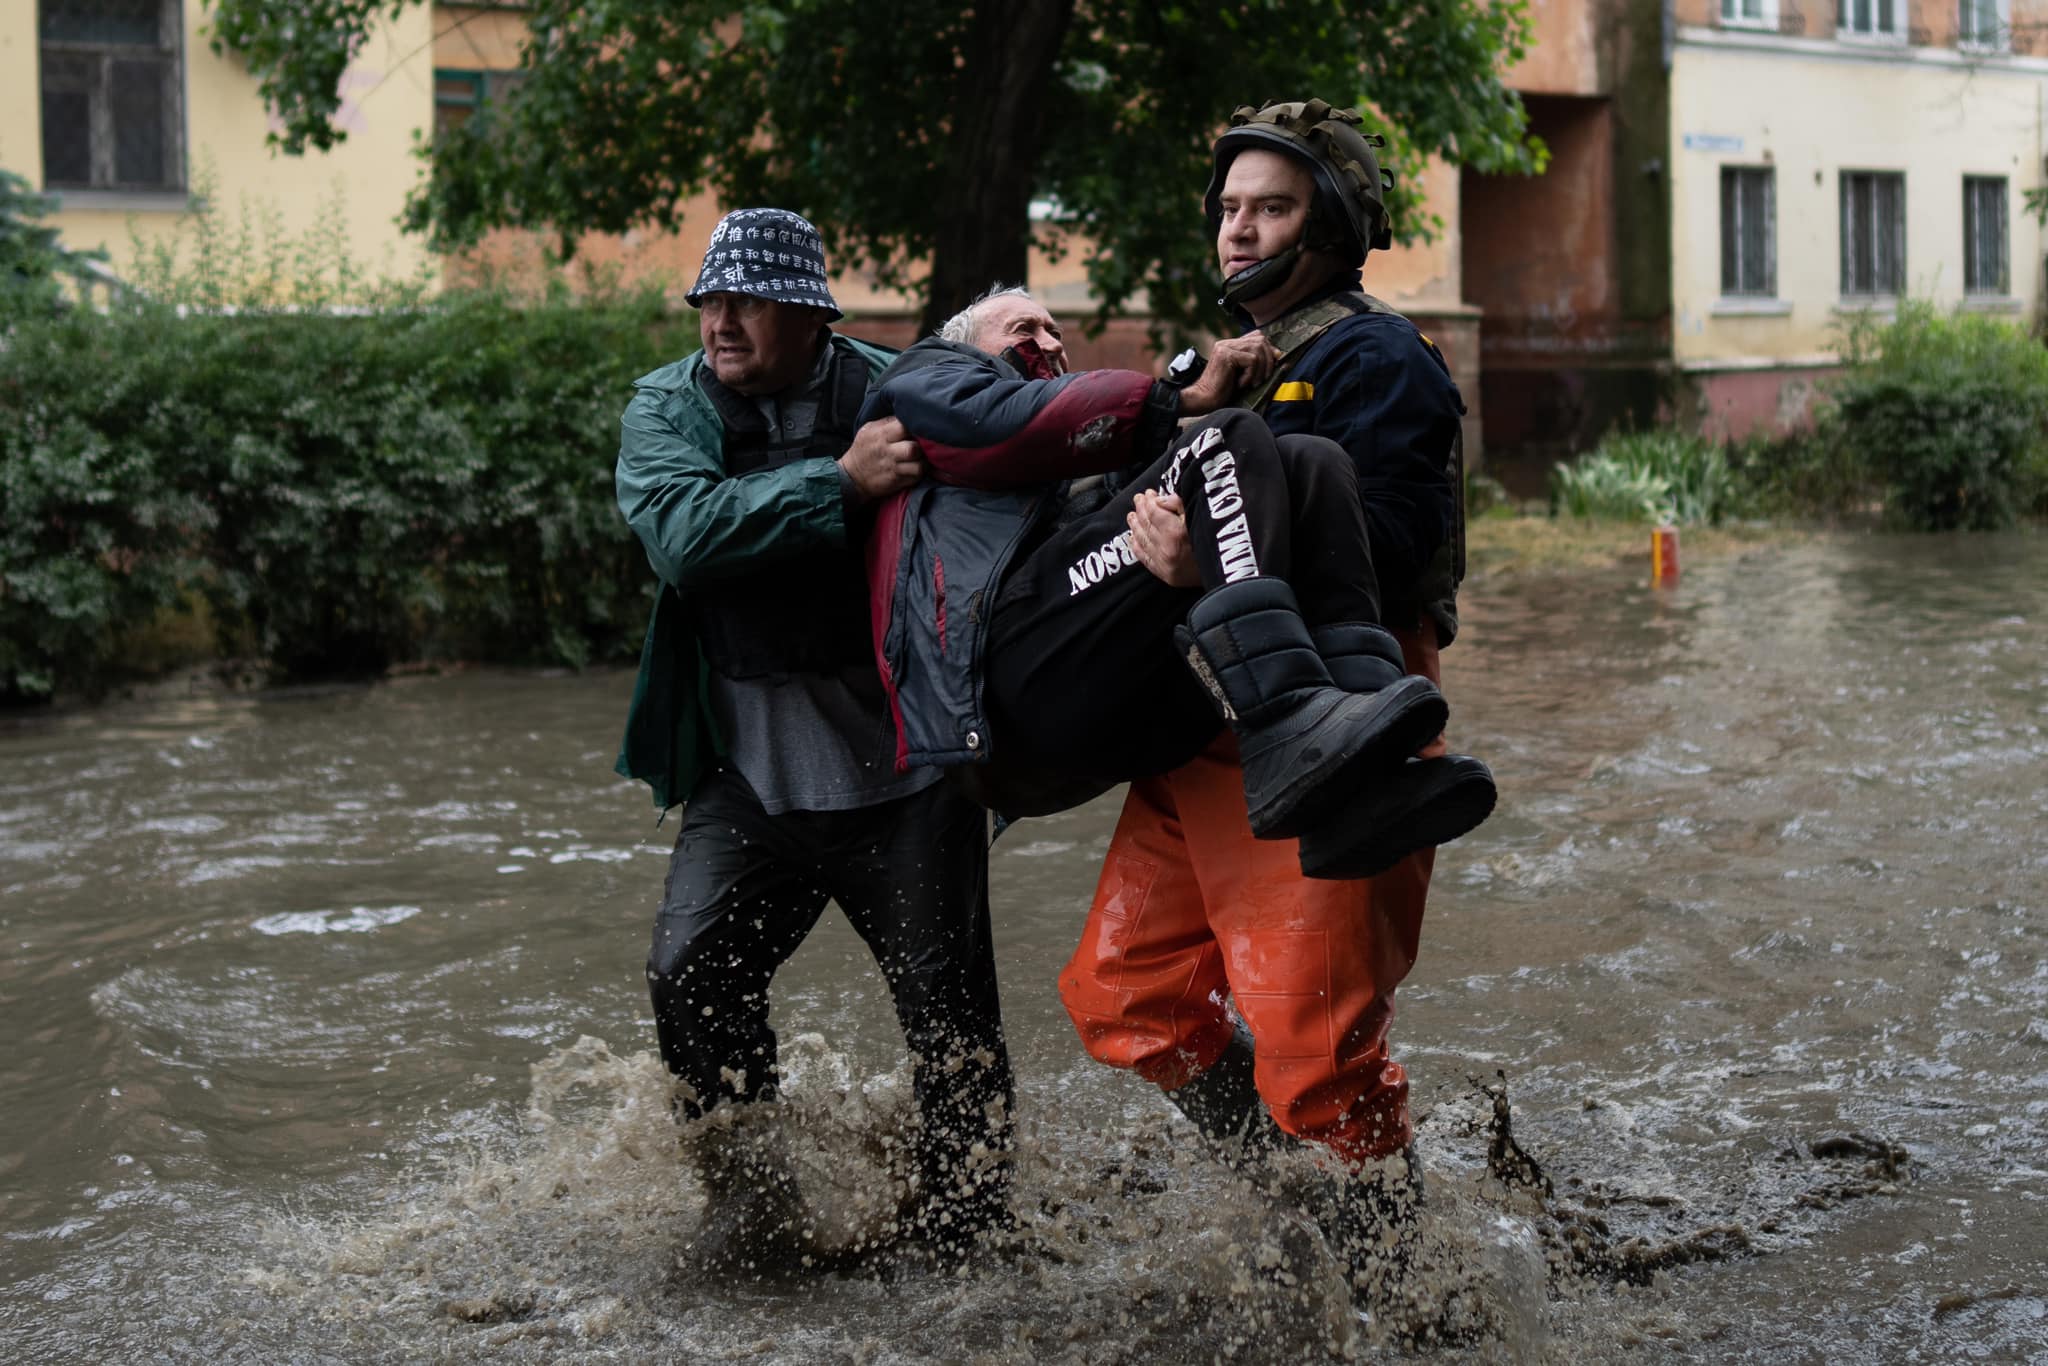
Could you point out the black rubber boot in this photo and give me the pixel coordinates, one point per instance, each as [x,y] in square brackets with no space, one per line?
[961,1202]
[755,1221]
[1224,1104]
[1424,803]
[1301,739]
[1368,1220]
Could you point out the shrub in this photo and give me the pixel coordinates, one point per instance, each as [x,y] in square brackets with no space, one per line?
[342,491]
[34,264]
[1661,476]
[1951,416]
[207,259]
[1815,473]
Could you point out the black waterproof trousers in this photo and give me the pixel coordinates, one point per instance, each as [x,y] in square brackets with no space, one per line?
[1082,673]
[745,887]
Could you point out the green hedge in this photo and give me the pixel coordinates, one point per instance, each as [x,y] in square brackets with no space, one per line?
[1950,415]
[342,492]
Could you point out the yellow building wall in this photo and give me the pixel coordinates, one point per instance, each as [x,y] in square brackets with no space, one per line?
[478,37]
[388,95]
[1811,110]
[21,146]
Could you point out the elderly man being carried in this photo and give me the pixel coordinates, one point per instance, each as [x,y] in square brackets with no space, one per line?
[1025,646]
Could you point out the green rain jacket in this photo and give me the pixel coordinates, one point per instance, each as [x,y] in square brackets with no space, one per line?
[699,526]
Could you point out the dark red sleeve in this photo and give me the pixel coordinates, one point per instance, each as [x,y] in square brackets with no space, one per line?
[981,426]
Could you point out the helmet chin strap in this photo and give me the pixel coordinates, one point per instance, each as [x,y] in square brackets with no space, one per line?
[1260,278]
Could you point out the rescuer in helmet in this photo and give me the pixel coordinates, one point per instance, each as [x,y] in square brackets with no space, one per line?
[1191,910]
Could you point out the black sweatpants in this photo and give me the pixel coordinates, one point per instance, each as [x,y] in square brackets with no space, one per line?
[745,887]
[1083,675]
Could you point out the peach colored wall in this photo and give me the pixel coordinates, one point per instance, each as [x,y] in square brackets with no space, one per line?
[1934,25]
[1564,58]
[1425,274]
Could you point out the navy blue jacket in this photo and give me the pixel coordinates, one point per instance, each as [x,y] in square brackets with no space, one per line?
[1376,386]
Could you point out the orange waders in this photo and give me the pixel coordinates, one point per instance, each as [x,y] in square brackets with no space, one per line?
[1192,909]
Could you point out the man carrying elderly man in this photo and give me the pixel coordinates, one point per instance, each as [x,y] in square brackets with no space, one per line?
[1024,649]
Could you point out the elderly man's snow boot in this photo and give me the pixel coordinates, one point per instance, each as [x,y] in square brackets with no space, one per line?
[1224,1104]
[1301,739]
[1423,803]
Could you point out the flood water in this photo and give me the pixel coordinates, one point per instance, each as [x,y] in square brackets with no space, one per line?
[328,1041]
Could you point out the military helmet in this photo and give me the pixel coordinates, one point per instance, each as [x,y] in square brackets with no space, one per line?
[1349,215]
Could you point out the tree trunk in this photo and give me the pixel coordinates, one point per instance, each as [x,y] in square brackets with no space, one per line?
[984,235]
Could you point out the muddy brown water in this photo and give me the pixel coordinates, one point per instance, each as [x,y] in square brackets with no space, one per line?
[303,996]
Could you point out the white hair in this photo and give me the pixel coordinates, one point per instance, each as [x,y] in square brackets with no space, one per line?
[961,326]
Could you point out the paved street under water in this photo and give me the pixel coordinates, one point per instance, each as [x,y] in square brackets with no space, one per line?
[328,1036]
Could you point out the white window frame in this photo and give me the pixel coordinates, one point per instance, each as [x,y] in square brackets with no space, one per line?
[1847,30]
[1766,17]
[1999,41]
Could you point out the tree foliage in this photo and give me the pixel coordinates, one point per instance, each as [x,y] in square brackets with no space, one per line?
[298,51]
[34,263]
[915,131]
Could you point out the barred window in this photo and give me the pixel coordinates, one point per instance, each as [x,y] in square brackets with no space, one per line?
[460,95]
[1749,231]
[112,90]
[1873,232]
[1985,242]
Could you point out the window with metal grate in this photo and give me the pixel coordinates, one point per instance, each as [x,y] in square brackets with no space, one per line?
[1873,232]
[111,94]
[1986,250]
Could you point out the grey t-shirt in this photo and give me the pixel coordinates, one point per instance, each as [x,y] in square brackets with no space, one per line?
[812,742]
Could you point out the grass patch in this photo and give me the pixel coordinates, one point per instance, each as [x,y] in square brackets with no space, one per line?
[1498,547]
